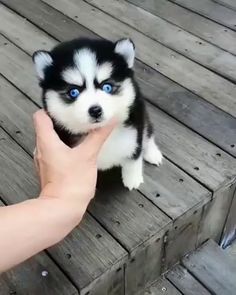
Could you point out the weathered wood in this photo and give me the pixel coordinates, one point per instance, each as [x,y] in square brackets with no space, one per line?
[191,152]
[215,214]
[185,282]
[189,21]
[16,115]
[201,81]
[38,275]
[212,10]
[171,36]
[213,268]
[94,253]
[229,232]
[228,3]
[182,239]
[201,116]
[173,191]
[13,63]
[27,278]
[162,286]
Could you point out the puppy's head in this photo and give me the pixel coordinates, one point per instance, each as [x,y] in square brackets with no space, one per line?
[87,82]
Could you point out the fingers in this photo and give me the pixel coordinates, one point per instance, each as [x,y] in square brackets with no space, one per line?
[45,132]
[95,139]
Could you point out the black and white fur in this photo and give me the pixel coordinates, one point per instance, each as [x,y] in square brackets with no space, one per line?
[86,64]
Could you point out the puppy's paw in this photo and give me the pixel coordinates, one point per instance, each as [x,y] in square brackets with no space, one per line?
[152,154]
[132,180]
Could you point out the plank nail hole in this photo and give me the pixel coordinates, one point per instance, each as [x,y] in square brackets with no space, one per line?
[157,240]
[185,49]
[12,293]
[132,260]
[195,212]
[87,293]
[18,132]
[163,289]
[92,9]
[176,227]
[181,180]
[141,205]
[98,236]
[117,222]
[68,255]
[232,145]
[119,269]
[157,195]
[218,154]
[44,273]
[196,168]
[157,64]
[199,42]
[5,43]
[226,30]
[76,16]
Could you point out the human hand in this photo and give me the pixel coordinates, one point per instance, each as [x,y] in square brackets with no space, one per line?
[67,173]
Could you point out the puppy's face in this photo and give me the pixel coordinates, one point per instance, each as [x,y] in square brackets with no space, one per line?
[87,82]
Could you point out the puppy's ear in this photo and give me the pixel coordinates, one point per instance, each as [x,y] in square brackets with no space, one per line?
[125,47]
[42,59]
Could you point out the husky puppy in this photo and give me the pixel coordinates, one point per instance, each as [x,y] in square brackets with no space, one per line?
[87,82]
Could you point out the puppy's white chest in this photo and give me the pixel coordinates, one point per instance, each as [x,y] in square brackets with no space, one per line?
[120,145]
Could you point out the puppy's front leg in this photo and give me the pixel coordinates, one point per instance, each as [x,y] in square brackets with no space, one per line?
[132,173]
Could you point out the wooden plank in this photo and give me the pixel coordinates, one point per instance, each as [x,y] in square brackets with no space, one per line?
[198,157]
[215,214]
[201,116]
[201,81]
[191,22]
[229,233]
[213,268]
[49,19]
[228,3]
[171,36]
[162,286]
[101,254]
[38,275]
[185,282]
[16,115]
[212,10]
[182,239]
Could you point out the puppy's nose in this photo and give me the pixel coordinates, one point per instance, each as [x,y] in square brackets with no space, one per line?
[95,112]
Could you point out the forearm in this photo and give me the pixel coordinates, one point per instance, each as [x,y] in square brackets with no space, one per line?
[29,227]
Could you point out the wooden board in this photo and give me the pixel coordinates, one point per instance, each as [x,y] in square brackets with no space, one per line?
[100,252]
[28,279]
[227,3]
[191,22]
[201,116]
[198,157]
[229,233]
[185,282]
[162,286]
[199,80]
[171,36]
[16,115]
[213,267]
[212,10]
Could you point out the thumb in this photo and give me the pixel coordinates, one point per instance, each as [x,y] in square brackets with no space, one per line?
[96,138]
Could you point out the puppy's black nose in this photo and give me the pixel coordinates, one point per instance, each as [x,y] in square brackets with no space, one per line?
[95,112]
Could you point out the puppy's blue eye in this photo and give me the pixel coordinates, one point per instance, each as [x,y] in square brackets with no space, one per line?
[107,88]
[74,93]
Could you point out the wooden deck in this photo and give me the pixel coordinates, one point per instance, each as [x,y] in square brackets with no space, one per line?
[186,67]
[206,271]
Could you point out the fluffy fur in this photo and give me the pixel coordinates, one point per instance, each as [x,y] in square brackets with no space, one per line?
[87,65]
